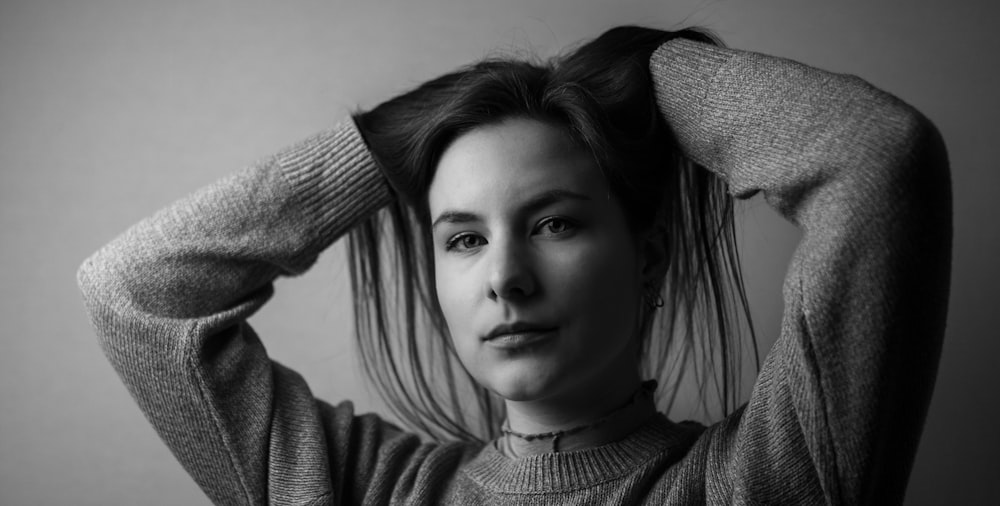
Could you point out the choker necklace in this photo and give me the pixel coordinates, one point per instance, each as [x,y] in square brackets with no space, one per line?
[645,390]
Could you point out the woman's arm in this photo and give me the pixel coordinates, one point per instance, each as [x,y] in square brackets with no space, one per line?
[170,298]
[839,405]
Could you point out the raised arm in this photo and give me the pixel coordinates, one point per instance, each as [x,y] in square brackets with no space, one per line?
[169,299]
[837,411]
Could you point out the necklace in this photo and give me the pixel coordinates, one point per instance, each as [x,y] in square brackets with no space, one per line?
[644,391]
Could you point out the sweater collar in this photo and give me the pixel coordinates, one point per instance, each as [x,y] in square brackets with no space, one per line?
[657,440]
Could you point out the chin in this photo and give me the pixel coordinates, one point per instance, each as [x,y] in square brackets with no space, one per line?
[526,381]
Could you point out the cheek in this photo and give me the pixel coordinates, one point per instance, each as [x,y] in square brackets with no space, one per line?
[455,295]
[458,298]
[599,283]
[606,262]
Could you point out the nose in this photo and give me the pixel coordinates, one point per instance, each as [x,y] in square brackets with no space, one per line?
[511,276]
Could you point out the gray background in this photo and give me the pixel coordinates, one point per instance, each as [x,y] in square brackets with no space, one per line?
[110,110]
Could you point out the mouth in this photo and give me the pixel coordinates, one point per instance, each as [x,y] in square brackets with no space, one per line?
[518,335]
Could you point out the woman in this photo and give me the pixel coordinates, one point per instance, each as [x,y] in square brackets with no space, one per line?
[544,217]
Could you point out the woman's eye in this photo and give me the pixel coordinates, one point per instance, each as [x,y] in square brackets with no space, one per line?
[464,242]
[555,226]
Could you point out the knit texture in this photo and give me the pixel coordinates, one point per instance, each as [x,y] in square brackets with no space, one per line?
[835,414]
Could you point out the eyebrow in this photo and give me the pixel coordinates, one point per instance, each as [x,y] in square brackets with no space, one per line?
[535,203]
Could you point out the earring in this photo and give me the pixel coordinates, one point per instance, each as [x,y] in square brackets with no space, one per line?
[652,297]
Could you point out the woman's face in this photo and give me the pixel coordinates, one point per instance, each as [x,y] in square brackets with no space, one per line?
[537,273]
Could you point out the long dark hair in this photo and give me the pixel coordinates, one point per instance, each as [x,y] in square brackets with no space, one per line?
[602,94]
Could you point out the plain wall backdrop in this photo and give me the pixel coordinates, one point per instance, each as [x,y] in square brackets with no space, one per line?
[110,110]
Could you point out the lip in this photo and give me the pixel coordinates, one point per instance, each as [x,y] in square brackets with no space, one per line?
[517,335]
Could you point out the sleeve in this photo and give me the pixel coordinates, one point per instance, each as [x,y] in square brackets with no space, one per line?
[839,404]
[170,298]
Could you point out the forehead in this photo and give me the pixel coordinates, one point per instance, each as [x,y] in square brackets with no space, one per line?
[497,166]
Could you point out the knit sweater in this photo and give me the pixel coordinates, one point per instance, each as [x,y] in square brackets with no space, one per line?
[835,414]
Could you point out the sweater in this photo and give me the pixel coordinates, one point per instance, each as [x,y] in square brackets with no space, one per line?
[834,416]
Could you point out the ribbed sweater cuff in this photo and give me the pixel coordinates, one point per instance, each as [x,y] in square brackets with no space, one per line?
[335,180]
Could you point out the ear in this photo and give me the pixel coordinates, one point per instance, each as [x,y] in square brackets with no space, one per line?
[655,256]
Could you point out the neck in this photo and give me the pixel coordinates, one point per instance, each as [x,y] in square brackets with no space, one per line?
[599,416]
[585,402]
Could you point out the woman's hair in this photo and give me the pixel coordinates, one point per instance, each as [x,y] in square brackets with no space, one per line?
[602,94]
